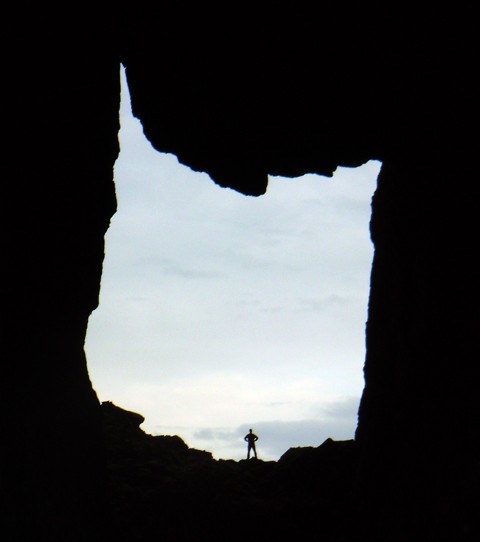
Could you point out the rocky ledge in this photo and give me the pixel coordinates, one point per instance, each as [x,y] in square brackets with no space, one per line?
[159,488]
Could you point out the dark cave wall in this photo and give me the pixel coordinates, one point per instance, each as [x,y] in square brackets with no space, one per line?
[281,96]
[417,429]
[61,114]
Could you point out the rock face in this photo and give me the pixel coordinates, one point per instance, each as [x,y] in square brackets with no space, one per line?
[241,98]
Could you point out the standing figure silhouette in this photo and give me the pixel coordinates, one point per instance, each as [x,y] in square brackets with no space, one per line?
[251,438]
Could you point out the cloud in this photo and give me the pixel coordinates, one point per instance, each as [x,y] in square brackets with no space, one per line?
[169,266]
[341,410]
[326,302]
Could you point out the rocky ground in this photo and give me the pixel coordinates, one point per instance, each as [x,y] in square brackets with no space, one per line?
[160,489]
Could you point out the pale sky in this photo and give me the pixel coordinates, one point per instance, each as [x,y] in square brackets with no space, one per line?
[221,312]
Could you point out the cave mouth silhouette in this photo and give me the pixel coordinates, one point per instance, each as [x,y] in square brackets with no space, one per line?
[418,420]
[163,269]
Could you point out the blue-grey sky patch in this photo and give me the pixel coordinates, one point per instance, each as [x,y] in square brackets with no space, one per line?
[336,421]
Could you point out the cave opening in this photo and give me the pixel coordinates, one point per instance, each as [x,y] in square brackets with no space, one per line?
[219,312]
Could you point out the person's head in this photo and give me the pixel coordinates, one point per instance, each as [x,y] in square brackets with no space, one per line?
[250,430]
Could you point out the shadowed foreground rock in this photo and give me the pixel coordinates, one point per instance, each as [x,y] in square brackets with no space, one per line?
[161,488]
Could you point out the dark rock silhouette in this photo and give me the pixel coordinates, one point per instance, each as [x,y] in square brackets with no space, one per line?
[241,98]
[161,487]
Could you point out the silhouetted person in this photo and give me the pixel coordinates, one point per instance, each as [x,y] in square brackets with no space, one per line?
[251,438]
